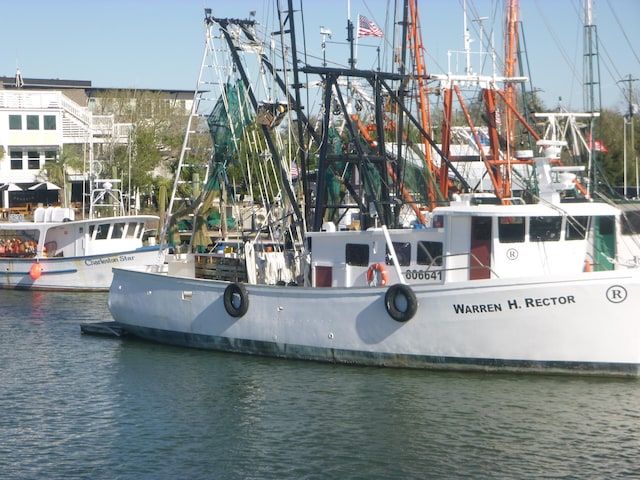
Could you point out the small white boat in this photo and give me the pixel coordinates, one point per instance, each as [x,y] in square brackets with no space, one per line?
[57,252]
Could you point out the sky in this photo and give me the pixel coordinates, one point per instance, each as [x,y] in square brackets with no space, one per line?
[158,44]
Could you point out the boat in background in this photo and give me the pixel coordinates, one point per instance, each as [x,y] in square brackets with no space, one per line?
[55,251]
[444,279]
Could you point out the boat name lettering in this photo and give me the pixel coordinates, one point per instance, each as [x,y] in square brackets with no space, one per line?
[423,275]
[477,308]
[527,302]
[102,261]
[548,301]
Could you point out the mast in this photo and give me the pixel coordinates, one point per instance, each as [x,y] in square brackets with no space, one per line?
[591,87]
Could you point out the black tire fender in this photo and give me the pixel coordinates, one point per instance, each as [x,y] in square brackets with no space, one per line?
[396,291]
[236,299]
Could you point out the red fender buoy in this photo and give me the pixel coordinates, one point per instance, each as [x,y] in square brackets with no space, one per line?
[35,271]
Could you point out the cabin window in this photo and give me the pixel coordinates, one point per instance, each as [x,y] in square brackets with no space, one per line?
[19,243]
[131,230]
[140,229]
[357,254]
[630,222]
[118,230]
[429,253]
[102,231]
[576,228]
[511,229]
[403,253]
[545,229]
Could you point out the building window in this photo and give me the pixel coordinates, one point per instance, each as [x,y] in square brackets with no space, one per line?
[16,160]
[15,122]
[33,122]
[50,155]
[33,160]
[49,122]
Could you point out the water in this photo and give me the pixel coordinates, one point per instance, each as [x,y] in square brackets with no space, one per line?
[75,406]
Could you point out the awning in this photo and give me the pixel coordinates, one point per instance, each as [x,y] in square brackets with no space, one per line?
[44,186]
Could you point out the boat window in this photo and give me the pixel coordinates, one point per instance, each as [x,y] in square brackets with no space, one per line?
[630,222]
[606,225]
[140,229]
[19,243]
[131,230]
[102,231]
[91,229]
[511,229]
[576,228]
[403,253]
[118,230]
[481,229]
[429,253]
[357,254]
[545,229]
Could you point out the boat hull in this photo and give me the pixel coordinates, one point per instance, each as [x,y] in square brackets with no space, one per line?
[86,273]
[579,324]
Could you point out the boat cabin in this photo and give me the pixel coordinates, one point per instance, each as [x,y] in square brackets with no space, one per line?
[464,241]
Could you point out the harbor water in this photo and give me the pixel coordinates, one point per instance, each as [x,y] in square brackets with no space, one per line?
[77,406]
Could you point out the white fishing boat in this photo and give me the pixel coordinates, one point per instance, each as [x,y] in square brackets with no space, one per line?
[480,281]
[54,251]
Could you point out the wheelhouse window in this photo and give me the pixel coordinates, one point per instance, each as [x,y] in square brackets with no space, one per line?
[33,122]
[15,122]
[545,229]
[576,228]
[511,229]
[403,253]
[118,230]
[357,254]
[630,222]
[131,230]
[429,253]
[102,231]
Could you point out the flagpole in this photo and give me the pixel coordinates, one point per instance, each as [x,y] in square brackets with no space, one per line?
[352,60]
[355,59]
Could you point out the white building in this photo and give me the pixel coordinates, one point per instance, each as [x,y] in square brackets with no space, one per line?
[39,117]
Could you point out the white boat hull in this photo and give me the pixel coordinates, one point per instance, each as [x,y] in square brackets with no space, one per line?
[86,273]
[581,323]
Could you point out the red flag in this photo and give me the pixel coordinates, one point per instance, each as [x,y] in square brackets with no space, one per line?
[368,28]
[596,146]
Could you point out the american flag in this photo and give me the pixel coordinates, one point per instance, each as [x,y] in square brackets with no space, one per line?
[367,28]
[293,170]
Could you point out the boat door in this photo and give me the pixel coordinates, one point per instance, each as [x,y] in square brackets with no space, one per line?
[604,242]
[480,249]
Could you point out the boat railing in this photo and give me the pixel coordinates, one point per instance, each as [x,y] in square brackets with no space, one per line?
[444,260]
